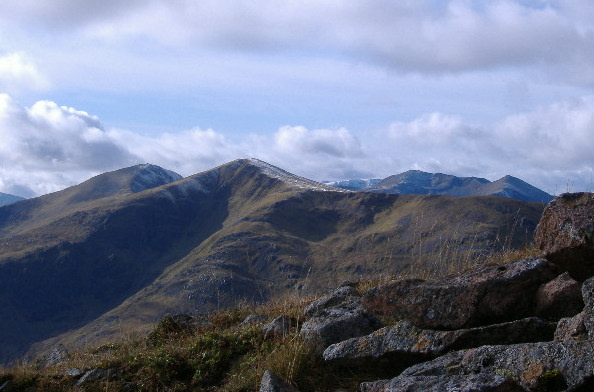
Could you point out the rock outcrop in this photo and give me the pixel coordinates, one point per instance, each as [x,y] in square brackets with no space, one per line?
[492,294]
[337,317]
[566,233]
[526,325]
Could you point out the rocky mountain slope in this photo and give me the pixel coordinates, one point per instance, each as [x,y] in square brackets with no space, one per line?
[121,250]
[523,326]
[419,182]
[520,325]
[6,198]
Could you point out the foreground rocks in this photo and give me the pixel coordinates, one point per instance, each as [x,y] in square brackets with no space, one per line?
[493,294]
[403,340]
[523,326]
[566,233]
[337,317]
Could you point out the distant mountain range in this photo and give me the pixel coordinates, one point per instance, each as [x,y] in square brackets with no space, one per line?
[6,198]
[422,183]
[124,248]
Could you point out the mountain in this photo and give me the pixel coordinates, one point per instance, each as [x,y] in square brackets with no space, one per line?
[119,251]
[6,198]
[419,182]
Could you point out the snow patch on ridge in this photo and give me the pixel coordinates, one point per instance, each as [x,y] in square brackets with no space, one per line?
[151,176]
[292,179]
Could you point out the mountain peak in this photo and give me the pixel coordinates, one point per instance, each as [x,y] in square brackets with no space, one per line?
[151,176]
[293,180]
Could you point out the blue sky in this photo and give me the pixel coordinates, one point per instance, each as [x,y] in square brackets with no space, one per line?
[327,89]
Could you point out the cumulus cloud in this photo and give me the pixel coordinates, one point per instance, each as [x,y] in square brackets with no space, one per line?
[186,152]
[47,147]
[550,147]
[18,72]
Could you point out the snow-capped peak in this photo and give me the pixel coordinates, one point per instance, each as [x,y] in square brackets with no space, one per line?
[292,179]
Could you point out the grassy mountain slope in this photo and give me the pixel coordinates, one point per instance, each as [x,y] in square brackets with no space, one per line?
[110,263]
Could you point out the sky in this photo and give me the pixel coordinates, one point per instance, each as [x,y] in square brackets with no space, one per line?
[326,89]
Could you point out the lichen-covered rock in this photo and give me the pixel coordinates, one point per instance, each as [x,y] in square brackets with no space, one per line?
[561,297]
[565,233]
[571,328]
[344,321]
[547,366]
[335,298]
[459,383]
[588,296]
[492,294]
[405,343]
[272,383]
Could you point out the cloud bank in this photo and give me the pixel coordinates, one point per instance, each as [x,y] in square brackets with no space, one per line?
[47,147]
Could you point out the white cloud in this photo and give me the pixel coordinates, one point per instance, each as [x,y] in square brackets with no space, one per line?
[18,72]
[422,36]
[550,147]
[325,142]
[186,152]
[47,147]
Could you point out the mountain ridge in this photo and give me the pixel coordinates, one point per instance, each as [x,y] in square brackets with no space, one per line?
[420,182]
[7,198]
[244,230]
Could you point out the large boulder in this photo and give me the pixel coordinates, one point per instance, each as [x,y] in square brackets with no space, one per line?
[565,233]
[347,319]
[335,298]
[459,383]
[492,294]
[561,297]
[547,366]
[404,343]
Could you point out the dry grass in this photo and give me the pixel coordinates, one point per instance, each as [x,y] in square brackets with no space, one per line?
[217,353]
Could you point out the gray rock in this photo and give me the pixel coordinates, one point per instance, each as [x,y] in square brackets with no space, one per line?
[588,295]
[92,375]
[332,325]
[561,297]
[457,383]
[565,233]
[254,319]
[280,326]
[492,294]
[333,299]
[547,366]
[571,328]
[404,342]
[272,383]
[58,355]
[97,374]
[74,372]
